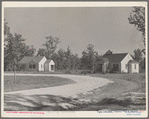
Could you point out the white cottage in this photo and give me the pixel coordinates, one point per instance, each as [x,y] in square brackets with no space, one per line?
[133,66]
[120,62]
[36,63]
[49,65]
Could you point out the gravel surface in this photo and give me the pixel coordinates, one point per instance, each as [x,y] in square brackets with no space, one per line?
[83,84]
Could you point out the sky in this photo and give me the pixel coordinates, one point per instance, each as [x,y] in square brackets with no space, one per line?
[107,28]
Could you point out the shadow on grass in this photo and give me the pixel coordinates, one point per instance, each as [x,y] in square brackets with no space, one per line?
[18,102]
[114,105]
[108,101]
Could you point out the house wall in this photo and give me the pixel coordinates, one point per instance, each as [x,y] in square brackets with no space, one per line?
[135,70]
[105,67]
[41,64]
[129,68]
[32,69]
[51,63]
[22,67]
[111,66]
[48,66]
[124,62]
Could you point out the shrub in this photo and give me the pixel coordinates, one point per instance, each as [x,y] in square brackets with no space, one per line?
[85,72]
[67,72]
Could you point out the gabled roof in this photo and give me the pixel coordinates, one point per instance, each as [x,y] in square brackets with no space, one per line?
[25,60]
[118,57]
[133,61]
[48,61]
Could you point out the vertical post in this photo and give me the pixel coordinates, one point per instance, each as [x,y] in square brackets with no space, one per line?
[14,70]
[14,74]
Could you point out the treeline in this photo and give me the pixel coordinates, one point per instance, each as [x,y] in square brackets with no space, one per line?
[66,60]
[15,49]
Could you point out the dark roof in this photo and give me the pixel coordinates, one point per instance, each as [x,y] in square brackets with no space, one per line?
[25,60]
[48,61]
[133,61]
[115,57]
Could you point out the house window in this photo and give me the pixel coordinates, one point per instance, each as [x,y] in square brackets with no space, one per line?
[32,66]
[126,66]
[135,66]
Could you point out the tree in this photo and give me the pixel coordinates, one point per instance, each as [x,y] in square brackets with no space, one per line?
[137,17]
[14,48]
[89,58]
[68,56]
[6,28]
[137,55]
[66,60]
[51,45]
[11,50]
[29,51]
[42,52]
[75,62]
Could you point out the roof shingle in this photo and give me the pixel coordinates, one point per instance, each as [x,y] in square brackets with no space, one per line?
[133,61]
[115,57]
[48,61]
[25,60]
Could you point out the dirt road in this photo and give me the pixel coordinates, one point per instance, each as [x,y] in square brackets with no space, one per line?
[83,85]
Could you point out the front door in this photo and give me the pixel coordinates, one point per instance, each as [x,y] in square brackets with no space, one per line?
[130,68]
[115,67]
[100,68]
[52,67]
[22,67]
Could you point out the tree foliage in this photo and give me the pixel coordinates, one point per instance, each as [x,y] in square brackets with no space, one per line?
[14,48]
[137,17]
[42,52]
[6,28]
[138,56]
[51,45]
[66,60]
[89,58]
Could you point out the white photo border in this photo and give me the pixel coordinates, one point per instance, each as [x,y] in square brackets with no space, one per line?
[71,114]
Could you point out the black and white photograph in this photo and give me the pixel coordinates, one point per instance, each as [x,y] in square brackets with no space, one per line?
[74,59]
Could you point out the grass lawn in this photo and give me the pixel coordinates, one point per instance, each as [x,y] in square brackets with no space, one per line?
[33,82]
[108,96]
[138,79]
[34,72]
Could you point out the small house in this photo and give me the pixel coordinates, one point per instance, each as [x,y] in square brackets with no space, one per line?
[36,63]
[133,66]
[120,62]
[49,65]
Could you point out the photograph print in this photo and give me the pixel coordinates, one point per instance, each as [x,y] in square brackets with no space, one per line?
[74,59]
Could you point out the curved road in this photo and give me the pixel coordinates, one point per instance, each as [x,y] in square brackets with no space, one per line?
[83,85]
